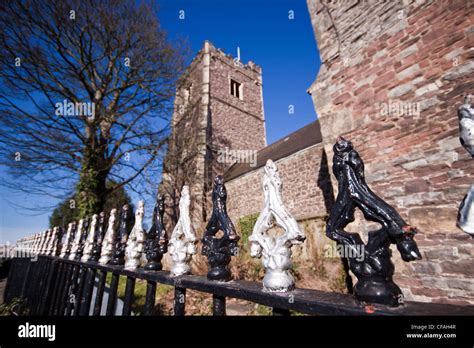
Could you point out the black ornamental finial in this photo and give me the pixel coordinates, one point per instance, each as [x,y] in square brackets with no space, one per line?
[219,250]
[97,246]
[156,244]
[83,232]
[121,239]
[370,262]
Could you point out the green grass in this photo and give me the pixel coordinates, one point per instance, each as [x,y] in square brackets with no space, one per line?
[15,307]
[264,310]
[139,293]
[162,290]
[297,314]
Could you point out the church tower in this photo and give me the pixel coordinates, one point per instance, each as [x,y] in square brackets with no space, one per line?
[218,114]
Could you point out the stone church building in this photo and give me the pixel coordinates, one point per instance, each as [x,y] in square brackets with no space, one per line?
[392,76]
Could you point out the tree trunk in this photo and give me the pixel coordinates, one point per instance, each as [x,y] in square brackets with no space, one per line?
[91,190]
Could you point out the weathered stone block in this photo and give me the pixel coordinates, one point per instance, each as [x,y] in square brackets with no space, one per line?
[465,267]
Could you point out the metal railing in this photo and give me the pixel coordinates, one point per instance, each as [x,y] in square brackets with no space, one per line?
[49,284]
[74,282]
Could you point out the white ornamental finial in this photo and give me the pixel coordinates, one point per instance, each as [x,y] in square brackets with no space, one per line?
[66,247]
[466,213]
[47,242]
[52,238]
[77,240]
[466,136]
[44,242]
[275,251]
[136,240]
[89,243]
[36,243]
[53,246]
[182,244]
[466,125]
[109,238]
[40,242]
[32,242]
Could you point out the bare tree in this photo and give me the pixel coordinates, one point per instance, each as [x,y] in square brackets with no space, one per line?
[85,96]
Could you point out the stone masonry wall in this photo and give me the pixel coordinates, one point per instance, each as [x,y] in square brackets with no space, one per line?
[238,121]
[392,76]
[236,126]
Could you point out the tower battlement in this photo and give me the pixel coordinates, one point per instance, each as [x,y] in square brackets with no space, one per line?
[208,46]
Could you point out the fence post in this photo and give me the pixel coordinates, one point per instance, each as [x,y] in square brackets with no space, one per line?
[150,298]
[112,294]
[179,301]
[51,274]
[87,292]
[100,293]
[64,297]
[218,305]
[127,303]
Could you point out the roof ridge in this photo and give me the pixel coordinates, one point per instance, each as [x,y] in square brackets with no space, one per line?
[298,140]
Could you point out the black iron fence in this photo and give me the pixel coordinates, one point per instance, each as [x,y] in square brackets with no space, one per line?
[75,282]
[56,286]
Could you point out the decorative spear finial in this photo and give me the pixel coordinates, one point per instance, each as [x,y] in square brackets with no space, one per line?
[36,242]
[46,242]
[77,241]
[120,243]
[134,249]
[156,244]
[109,239]
[466,136]
[466,125]
[219,250]
[275,251]
[42,242]
[53,247]
[66,247]
[47,238]
[369,262]
[97,245]
[182,242]
[89,243]
[84,234]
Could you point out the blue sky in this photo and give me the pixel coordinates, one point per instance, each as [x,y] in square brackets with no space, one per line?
[285,49]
